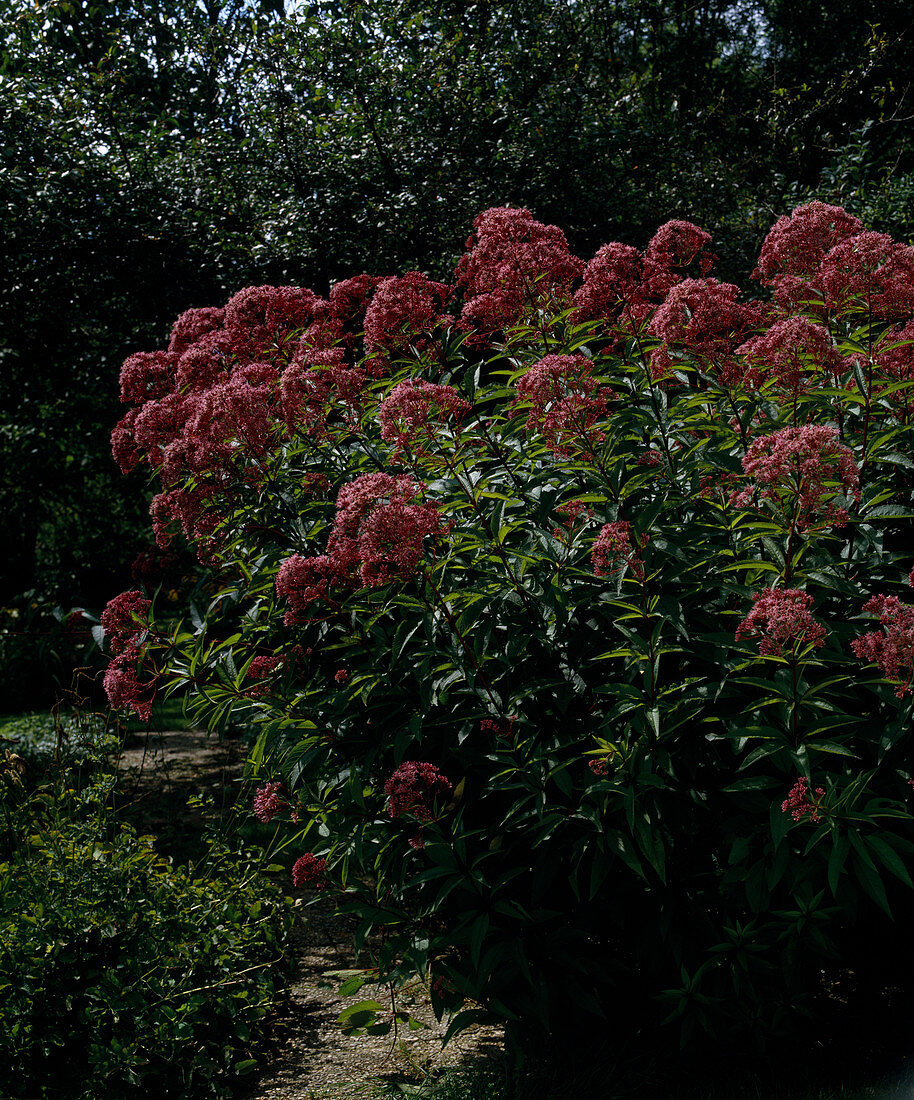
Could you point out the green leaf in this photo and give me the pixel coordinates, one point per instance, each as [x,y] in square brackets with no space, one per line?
[836,863]
[870,880]
[889,858]
[462,1020]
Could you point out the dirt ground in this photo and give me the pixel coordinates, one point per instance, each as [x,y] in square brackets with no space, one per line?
[307,1057]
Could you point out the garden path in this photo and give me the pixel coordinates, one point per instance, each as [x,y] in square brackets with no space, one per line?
[307,1056]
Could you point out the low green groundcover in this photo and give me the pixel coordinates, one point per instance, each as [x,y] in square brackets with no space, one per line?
[119,973]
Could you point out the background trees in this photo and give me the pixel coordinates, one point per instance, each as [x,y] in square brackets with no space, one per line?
[160,154]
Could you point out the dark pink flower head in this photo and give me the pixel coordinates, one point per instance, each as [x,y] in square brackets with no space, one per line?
[123,686]
[237,413]
[207,361]
[801,471]
[148,375]
[614,550]
[349,299]
[413,789]
[301,581]
[377,536]
[501,727]
[192,325]
[798,803]
[341,675]
[159,423]
[565,402]
[127,454]
[796,246]
[704,317]
[342,316]
[315,384]
[193,509]
[412,414]
[265,318]
[390,540]
[614,288]
[780,619]
[513,264]
[674,247]
[891,648]
[262,669]
[268,802]
[124,618]
[791,353]
[404,312]
[379,528]
[897,359]
[570,512]
[310,870]
[871,270]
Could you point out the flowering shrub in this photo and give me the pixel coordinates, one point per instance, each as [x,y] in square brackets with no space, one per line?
[553,618]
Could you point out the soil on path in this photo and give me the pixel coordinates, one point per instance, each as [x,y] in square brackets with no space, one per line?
[307,1055]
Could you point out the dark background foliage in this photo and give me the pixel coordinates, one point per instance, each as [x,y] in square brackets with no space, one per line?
[160,155]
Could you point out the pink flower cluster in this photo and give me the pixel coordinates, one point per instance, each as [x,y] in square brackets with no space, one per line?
[267,317]
[569,513]
[300,581]
[798,803]
[125,619]
[341,317]
[822,254]
[872,269]
[896,357]
[565,402]
[797,245]
[404,311]
[377,536]
[316,383]
[412,413]
[310,870]
[801,470]
[262,668]
[124,687]
[268,802]
[622,287]
[501,727]
[614,288]
[613,550]
[671,251]
[792,352]
[703,317]
[413,788]
[780,618]
[147,376]
[192,326]
[207,408]
[891,648]
[514,266]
